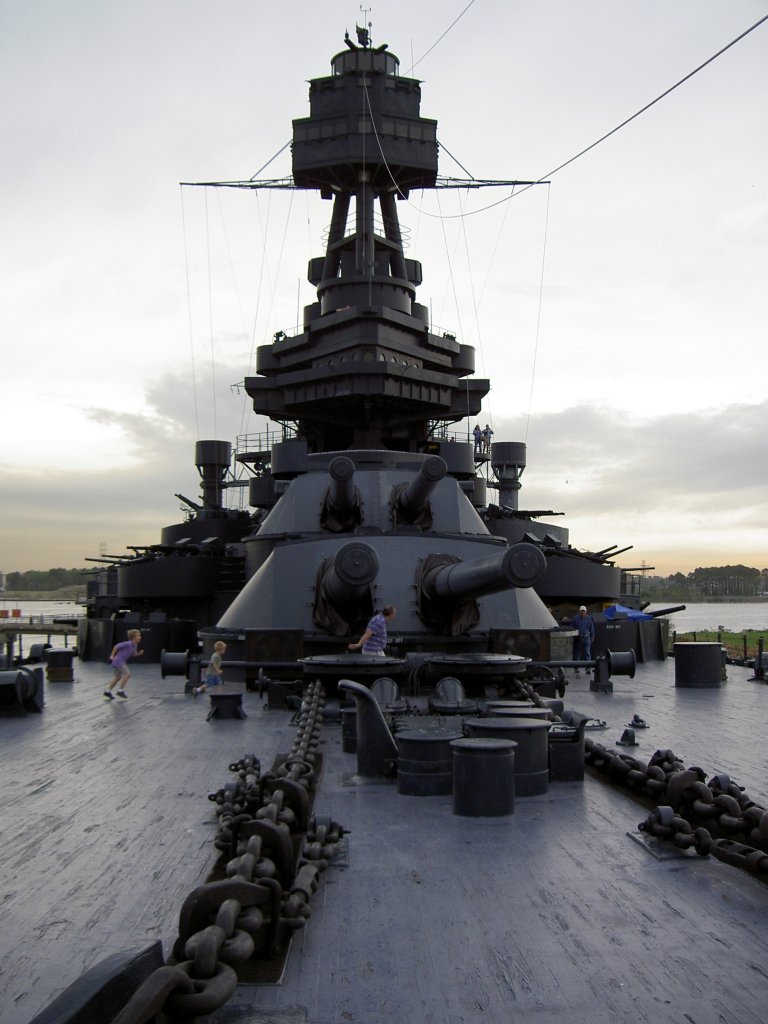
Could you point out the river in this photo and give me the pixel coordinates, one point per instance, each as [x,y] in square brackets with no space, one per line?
[731,616]
[736,616]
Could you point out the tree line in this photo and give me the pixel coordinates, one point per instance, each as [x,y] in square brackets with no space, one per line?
[44,579]
[713,581]
[709,582]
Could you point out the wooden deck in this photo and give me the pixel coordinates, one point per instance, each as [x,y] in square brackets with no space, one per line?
[426,917]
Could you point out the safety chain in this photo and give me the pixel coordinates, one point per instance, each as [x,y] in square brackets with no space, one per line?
[274,854]
[715,817]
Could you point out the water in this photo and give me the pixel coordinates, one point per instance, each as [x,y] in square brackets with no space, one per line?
[44,611]
[731,616]
[61,609]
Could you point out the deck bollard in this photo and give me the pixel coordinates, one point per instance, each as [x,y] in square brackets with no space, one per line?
[483,776]
[59,662]
[531,753]
[698,665]
[424,761]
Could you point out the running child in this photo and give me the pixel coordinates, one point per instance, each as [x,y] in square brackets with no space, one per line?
[118,659]
[214,675]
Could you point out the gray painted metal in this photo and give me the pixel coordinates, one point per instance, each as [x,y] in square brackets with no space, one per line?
[698,664]
[483,777]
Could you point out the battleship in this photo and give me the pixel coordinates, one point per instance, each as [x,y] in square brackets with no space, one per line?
[368,489]
[448,833]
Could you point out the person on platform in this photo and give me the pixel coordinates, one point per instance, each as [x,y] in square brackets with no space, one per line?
[477,433]
[487,438]
[585,626]
[118,659]
[214,675]
[374,639]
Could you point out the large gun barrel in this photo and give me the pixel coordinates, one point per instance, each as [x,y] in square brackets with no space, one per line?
[667,611]
[413,498]
[521,565]
[341,495]
[349,573]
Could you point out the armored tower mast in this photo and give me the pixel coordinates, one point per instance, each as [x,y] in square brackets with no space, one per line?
[366,372]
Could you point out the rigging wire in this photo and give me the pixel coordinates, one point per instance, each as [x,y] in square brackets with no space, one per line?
[262,267]
[538,317]
[189,313]
[264,166]
[210,309]
[476,310]
[566,163]
[442,37]
[457,161]
[230,261]
[451,277]
[280,258]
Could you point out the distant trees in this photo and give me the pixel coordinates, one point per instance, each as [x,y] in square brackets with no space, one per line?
[728,581]
[43,579]
[708,582]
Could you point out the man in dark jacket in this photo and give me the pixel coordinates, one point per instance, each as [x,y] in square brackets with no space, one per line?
[585,627]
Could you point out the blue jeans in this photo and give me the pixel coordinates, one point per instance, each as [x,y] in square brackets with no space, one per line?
[584,649]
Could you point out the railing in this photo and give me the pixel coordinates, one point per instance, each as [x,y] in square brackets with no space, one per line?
[740,646]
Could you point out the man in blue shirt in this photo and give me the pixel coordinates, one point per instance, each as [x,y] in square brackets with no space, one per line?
[374,639]
[585,626]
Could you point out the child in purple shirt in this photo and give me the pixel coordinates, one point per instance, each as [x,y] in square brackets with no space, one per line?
[118,659]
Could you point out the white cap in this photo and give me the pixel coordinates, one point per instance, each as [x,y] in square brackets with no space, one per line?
[582,608]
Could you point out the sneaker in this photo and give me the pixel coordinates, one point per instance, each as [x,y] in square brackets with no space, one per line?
[108,693]
[122,693]
[195,691]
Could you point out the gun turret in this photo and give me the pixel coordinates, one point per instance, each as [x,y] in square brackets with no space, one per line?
[448,588]
[522,565]
[411,499]
[343,588]
[341,509]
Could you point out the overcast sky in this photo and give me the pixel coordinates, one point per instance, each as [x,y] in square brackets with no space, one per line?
[620,312]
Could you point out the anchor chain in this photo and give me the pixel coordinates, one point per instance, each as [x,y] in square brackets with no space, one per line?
[275,852]
[714,817]
[524,690]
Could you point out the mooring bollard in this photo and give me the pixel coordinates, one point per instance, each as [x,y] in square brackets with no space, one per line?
[698,665]
[59,662]
[483,776]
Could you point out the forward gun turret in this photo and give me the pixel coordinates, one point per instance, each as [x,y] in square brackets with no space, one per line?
[448,587]
[343,587]
[411,500]
[341,509]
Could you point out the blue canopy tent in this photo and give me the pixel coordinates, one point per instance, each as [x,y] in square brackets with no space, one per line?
[619,611]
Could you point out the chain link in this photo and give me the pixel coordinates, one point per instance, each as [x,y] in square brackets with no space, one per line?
[714,817]
[264,896]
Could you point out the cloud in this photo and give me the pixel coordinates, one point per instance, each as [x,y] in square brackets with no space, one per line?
[676,462]
[678,485]
[683,489]
[60,517]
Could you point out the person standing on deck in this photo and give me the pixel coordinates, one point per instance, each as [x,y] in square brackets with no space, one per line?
[118,659]
[585,627]
[214,674]
[374,639]
[487,438]
[477,433]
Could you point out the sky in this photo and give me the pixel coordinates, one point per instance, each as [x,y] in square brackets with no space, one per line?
[620,312]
